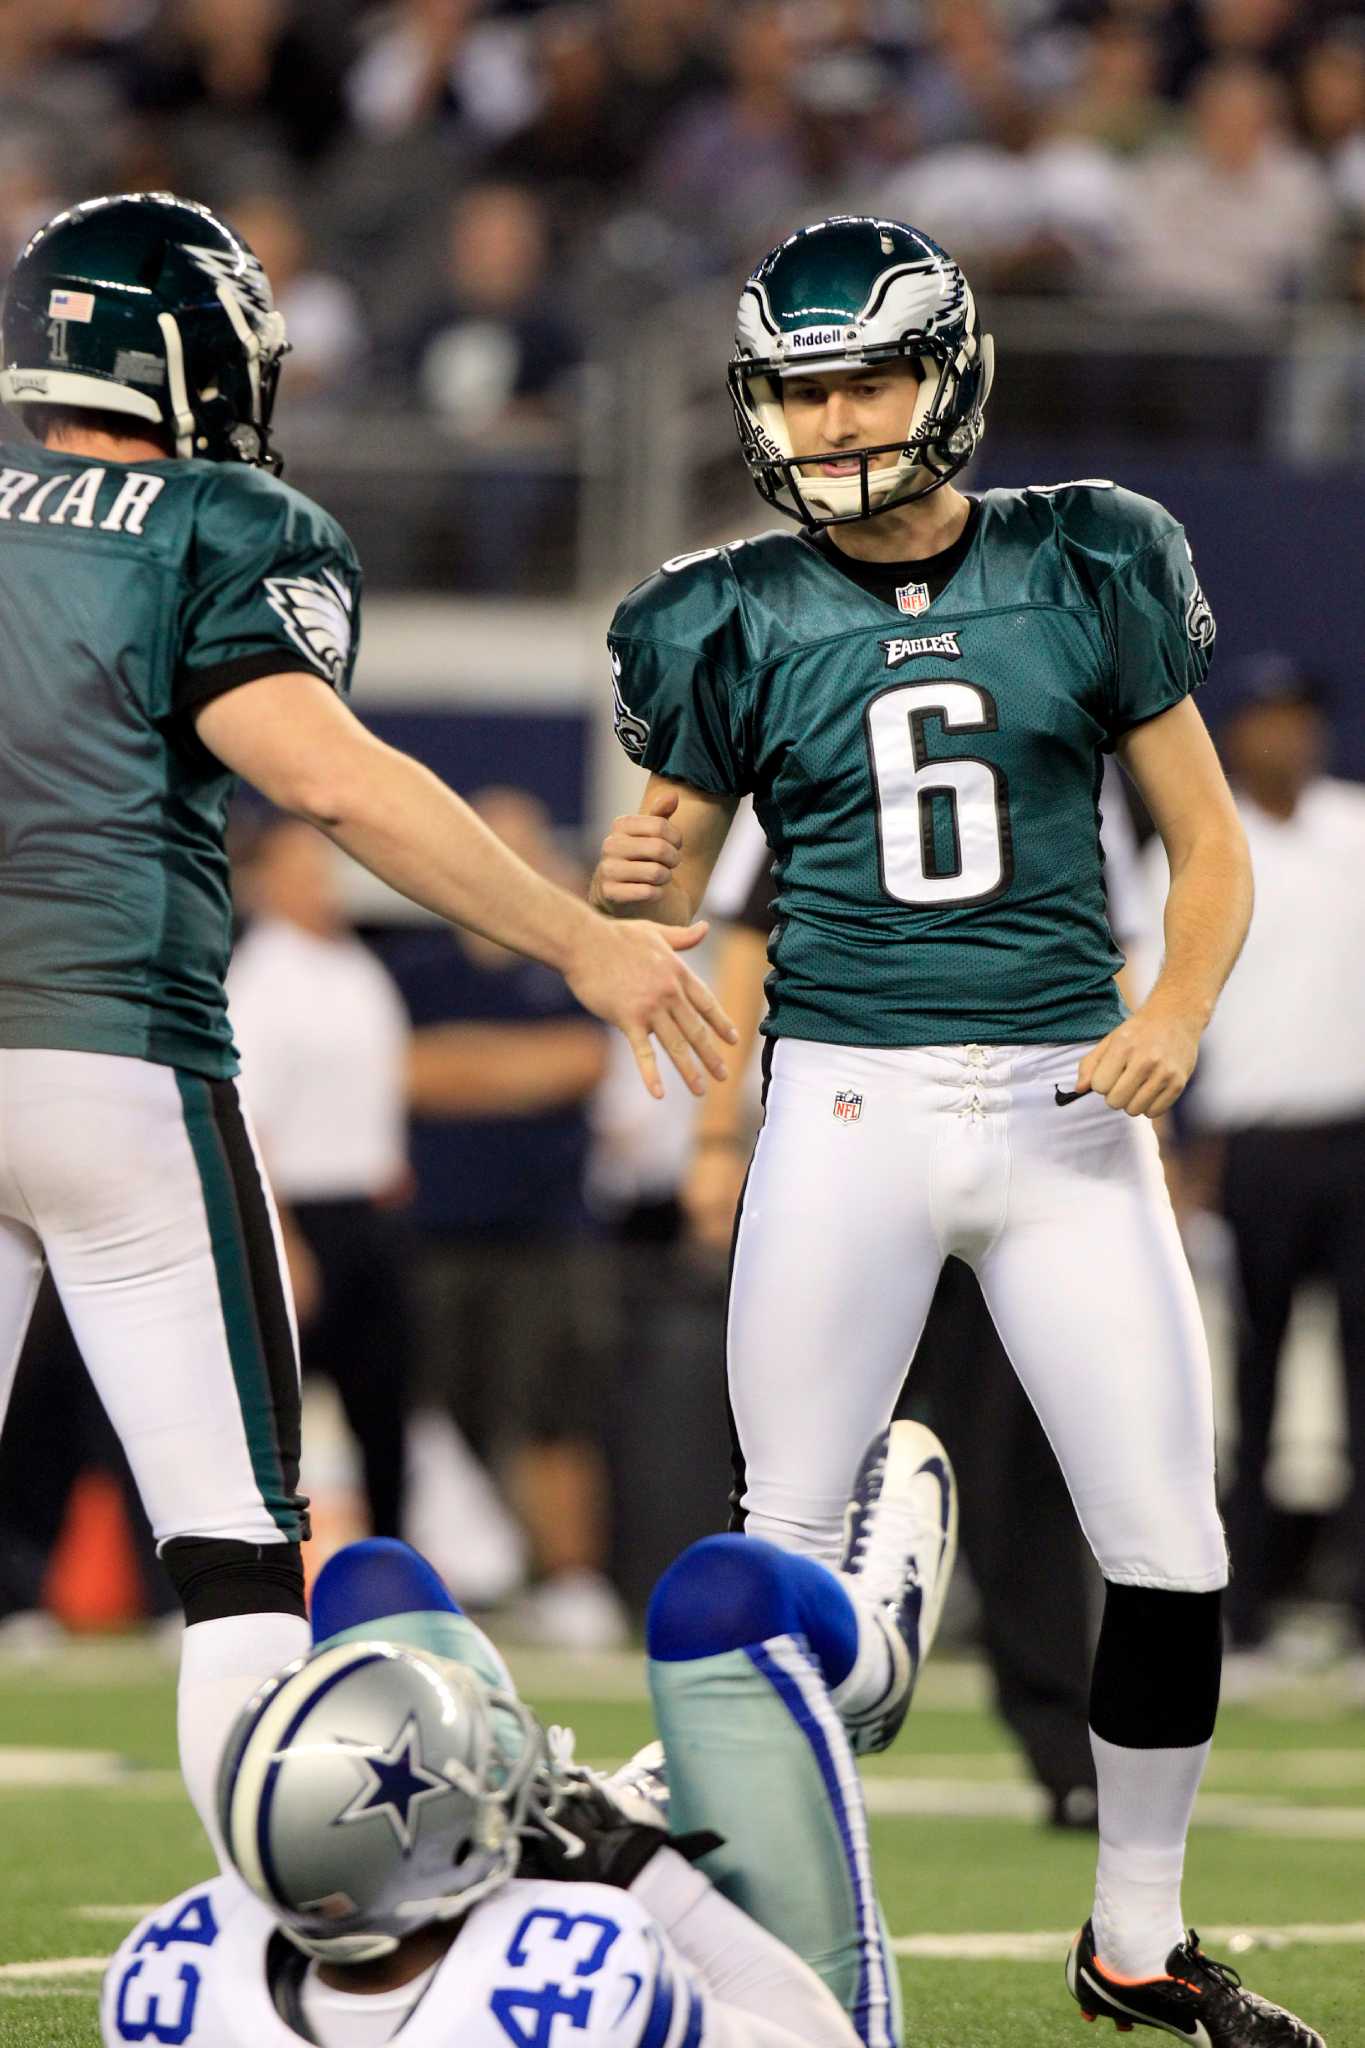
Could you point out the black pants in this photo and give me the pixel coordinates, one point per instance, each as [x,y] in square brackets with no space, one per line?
[1295,1202]
[1018,1531]
[361,1337]
[54,1430]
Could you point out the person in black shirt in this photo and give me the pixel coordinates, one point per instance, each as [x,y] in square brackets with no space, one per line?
[519,1339]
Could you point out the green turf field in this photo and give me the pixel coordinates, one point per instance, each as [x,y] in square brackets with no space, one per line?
[93,1824]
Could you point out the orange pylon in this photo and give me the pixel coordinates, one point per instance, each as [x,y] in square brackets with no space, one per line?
[92,1579]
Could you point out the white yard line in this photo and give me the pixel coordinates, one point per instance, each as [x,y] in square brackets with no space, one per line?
[9,1992]
[36,1979]
[1052,1948]
[31,1767]
[1250,1770]
[54,1966]
[969,1799]
[950,1683]
[102,1770]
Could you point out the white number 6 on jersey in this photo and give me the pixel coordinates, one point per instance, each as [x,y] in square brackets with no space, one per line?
[907,782]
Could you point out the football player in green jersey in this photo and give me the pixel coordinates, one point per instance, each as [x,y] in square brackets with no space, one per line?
[919,687]
[173,615]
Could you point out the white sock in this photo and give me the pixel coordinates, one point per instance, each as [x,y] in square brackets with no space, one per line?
[221,1665]
[1146,1797]
[867,1683]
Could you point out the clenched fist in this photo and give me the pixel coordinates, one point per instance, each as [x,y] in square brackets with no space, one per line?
[639,856]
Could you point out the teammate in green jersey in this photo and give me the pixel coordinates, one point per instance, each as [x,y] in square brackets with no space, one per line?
[173,615]
[918,688]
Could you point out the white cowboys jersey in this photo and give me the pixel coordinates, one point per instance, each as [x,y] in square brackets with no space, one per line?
[534,1962]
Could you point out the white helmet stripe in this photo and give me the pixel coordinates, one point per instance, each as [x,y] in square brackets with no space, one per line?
[245,1794]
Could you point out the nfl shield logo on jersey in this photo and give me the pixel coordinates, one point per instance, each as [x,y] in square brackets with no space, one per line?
[913,598]
[848,1106]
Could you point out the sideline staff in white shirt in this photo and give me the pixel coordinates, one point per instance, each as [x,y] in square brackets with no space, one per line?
[1281,1081]
[323,1037]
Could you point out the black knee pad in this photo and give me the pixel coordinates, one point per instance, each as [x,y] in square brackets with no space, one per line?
[216,1578]
[1157,1666]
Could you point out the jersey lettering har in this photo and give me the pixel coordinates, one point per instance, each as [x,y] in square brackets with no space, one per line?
[129,502]
[937,865]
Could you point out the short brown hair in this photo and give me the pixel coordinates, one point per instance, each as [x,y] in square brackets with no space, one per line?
[45,422]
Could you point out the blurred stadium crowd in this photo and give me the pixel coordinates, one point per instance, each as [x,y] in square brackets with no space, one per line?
[412,173]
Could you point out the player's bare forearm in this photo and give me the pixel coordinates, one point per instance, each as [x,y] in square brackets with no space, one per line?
[1142,1066]
[402,823]
[486,1070]
[667,905]
[1208,906]
[1208,912]
[291,736]
[304,750]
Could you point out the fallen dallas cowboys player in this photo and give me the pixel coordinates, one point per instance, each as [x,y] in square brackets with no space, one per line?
[420,1858]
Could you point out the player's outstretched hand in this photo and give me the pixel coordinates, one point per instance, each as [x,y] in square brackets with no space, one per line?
[1142,1066]
[631,976]
[638,856]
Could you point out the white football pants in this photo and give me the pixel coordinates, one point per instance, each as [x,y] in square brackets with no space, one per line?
[851,1208]
[141,1187]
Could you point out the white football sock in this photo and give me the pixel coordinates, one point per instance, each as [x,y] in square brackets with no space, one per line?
[867,1683]
[1146,1797]
[221,1665]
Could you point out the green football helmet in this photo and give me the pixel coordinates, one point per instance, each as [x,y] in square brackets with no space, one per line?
[850,291]
[149,307]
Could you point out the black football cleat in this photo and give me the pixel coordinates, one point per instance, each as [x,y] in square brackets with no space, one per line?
[1198,2000]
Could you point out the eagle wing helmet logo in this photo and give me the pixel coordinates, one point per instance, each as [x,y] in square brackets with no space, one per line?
[317,615]
[241,274]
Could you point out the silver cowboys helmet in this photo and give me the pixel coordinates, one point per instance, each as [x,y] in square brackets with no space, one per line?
[369,1790]
[847,292]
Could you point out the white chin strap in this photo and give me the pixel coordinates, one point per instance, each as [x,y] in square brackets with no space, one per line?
[841,497]
[176,385]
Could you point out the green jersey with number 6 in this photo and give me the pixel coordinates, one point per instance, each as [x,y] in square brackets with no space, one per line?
[928,785]
[132,595]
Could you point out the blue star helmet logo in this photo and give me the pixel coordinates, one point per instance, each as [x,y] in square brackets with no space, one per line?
[396,1781]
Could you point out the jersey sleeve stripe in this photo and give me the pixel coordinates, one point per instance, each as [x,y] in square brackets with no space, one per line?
[695,2016]
[659,2021]
[196,687]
